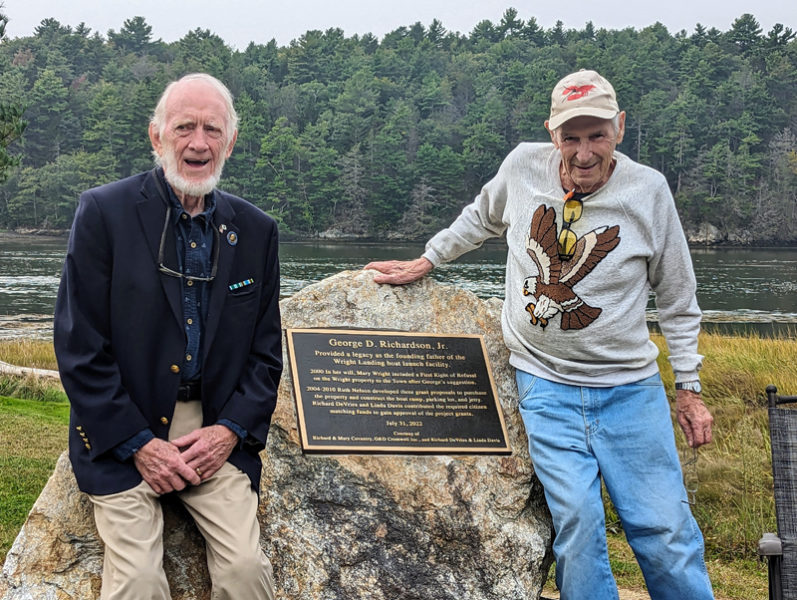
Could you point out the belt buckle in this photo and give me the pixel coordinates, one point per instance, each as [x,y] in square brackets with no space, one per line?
[189,391]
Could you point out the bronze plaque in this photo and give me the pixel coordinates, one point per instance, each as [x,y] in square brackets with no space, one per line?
[360,391]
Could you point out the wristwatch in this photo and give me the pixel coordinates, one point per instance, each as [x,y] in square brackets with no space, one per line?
[692,386]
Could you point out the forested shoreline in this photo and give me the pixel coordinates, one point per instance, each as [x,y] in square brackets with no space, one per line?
[359,137]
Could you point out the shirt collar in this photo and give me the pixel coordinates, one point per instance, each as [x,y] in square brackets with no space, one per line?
[205,217]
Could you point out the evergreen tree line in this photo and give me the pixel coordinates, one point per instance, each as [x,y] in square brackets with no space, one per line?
[11,122]
[390,138]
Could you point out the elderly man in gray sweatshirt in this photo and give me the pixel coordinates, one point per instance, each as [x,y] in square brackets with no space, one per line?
[590,234]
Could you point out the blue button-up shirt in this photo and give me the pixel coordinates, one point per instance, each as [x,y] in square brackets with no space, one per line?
[194,238]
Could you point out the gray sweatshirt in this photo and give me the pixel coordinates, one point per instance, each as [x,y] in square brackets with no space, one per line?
[582,321]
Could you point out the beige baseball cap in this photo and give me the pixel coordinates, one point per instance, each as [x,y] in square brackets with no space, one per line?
[579,94]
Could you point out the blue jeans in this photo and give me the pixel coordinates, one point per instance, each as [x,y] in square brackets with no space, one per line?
[624,434]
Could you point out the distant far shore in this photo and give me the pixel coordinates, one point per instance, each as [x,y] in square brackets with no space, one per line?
[38,233]
[54,234]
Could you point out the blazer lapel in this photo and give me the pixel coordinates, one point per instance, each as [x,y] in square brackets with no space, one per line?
[152,213]
[223,221]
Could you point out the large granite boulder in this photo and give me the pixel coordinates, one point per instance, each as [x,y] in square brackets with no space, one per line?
[342,527]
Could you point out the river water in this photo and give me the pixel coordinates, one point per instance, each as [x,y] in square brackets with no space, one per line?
[739,289]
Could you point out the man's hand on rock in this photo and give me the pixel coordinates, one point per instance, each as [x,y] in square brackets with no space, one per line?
[399,272]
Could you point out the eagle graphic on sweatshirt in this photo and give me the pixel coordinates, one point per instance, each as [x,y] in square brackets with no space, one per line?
[551,289]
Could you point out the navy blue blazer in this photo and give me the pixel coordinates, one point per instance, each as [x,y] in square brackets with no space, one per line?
[119,335]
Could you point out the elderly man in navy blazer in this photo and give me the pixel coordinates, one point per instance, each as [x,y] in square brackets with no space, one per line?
[168,338]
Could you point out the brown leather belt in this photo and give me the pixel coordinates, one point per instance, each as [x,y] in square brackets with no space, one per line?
[190,390]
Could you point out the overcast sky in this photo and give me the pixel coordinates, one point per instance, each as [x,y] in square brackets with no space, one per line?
[239,22]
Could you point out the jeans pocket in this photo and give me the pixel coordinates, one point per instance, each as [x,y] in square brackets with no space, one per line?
[525,383]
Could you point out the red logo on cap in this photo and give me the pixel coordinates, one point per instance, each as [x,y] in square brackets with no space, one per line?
[574,92]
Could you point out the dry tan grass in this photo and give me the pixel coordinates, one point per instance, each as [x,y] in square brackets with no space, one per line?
[28,353]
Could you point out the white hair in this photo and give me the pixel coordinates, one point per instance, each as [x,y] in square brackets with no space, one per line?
[159,115]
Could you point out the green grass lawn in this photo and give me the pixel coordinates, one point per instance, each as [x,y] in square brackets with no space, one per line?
[34,434]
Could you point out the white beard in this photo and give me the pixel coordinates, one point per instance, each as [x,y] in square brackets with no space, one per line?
[180,183]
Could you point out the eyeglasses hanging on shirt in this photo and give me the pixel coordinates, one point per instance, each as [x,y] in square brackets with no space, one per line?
[162,267]
[173,273]
[571,212]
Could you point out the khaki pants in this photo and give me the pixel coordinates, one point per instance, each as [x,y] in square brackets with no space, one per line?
[224,508]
